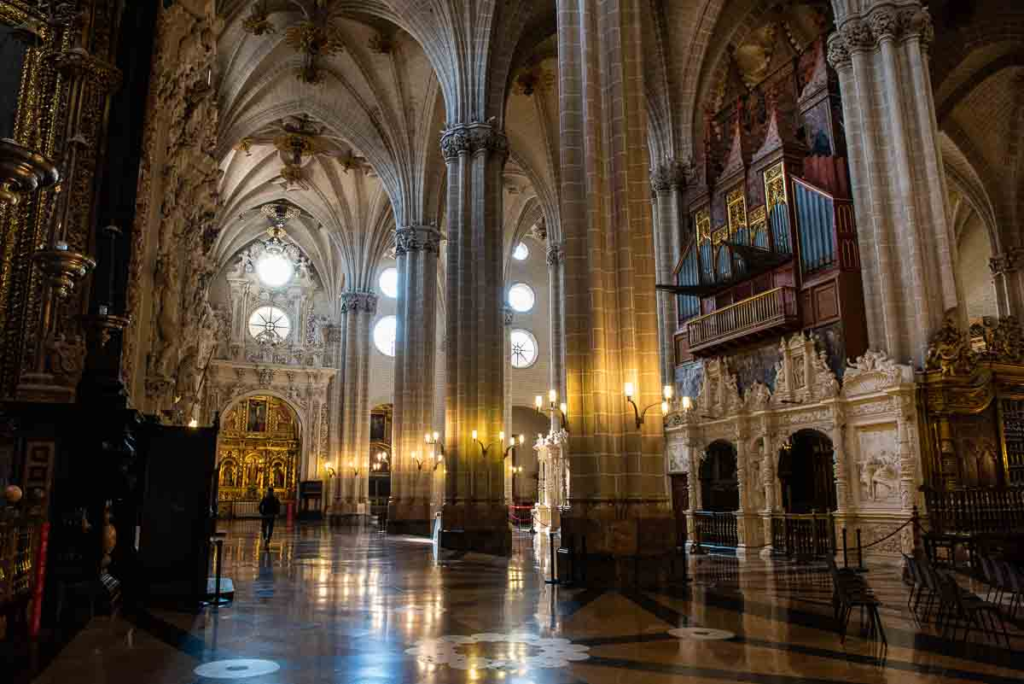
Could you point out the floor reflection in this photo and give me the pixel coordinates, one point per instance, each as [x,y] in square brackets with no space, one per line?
[333,605]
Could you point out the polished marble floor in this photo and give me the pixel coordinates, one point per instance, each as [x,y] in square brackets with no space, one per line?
[354,607]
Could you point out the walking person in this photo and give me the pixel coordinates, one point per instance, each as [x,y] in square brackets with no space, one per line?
[269,509]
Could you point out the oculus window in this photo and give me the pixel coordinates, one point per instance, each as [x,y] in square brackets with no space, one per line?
[521,297]
[524,349]
[274,269]
[388,282]
[269,324]
[384,335]
[521,252]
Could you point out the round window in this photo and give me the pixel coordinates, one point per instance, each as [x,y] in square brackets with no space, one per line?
[521,297]
[269,324]
[524,349]
[521,252]
[388,282]
[274,270]
[384,335]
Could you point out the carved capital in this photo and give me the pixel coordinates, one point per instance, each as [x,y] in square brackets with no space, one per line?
[354,302]
[474,138]
[916,22]
[417,238]
[838,54]
[667,176]
[884,23]
[1003,264]
[79,63]
[555,255]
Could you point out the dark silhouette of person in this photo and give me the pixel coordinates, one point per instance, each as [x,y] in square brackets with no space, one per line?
[269,508]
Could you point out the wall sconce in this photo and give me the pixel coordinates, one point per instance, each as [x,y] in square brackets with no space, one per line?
[666,393]
[485,448]
[329,467]
[418,459]
[355,469]
[553,406]
[433,440]
[512,445]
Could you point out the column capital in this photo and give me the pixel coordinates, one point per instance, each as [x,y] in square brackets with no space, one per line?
[669,175]
[473,138]
[354,302]
[555,254]
[887,21]
[417,238]
[1007,262]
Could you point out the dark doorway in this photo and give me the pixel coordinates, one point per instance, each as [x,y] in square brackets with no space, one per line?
[681,504]
[719,486]
[806,473]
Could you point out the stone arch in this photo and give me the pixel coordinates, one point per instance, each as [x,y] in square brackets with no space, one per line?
[805,489]
[718,476]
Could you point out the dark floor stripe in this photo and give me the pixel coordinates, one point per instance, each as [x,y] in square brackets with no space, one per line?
[578,602]
[175,637]
[658,609]
[706,673]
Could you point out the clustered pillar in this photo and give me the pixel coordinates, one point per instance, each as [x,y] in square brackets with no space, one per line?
[667,182]
[474,516]
[897,178]
[618,498]
[352,469]
[417,249]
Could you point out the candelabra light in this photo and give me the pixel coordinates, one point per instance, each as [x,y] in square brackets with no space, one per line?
[417,458]
[381,461]
[553,406]
[512,445]
[484,448]
[329,468]
[639,414]
[355,469]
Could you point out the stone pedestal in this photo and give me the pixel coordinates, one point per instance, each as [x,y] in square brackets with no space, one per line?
[627,544]
[480,526]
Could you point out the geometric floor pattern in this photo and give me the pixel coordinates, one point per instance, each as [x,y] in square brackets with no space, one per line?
[353,607]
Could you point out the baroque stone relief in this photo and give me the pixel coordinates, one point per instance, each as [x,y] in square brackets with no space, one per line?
[878,466]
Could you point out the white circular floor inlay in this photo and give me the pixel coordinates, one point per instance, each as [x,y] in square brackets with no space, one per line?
[242,668]
[517,651]
[701,634]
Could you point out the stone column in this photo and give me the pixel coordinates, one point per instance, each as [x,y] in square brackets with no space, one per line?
[667,180]
[1008,283]
[417,249]
[357,312]
[556,308]
[840,466]
[617,489]
[897,179]
[507,466]
[475,154]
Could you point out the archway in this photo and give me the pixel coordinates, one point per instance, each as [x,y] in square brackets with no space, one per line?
[719,485]
[259,446]
[381,417]
[806,473]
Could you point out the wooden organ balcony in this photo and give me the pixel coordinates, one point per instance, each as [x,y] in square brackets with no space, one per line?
[767,313]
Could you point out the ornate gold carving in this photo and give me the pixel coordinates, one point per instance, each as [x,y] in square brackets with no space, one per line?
[775,185]
[950,351]
[758,221]
[702,221]
[998,340]
[736,202]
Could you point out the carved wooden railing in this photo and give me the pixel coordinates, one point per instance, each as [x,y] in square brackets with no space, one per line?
[755,314]
[803,535]
[716,529]
[976,511]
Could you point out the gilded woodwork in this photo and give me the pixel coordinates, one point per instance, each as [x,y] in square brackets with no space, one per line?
[702,220]
[775,185]
[736,202]
[971,393]
[259,447]
[758,222]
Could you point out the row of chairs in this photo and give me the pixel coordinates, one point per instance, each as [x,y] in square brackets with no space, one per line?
[850,591]
[1004,581]
[957,607]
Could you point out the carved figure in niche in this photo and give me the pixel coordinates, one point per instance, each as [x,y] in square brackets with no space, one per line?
[257,421]
[186,380]
[278,476]
[979,463]
[252,473]
[227,474]
[166,293]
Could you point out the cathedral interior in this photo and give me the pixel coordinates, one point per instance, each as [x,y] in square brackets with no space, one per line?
[567,338]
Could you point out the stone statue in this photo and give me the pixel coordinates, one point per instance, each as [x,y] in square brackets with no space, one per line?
[167,321]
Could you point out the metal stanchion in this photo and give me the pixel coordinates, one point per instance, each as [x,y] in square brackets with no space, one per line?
[860,555]
[217,600]
[846,562]
[554,561]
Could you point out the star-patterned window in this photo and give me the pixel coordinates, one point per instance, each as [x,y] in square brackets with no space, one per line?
[269,324]
[524,349]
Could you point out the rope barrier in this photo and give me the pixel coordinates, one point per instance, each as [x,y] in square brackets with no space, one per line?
[890,535]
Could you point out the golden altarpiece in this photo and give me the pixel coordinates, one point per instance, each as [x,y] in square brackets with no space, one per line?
[259,447]
[971,395]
